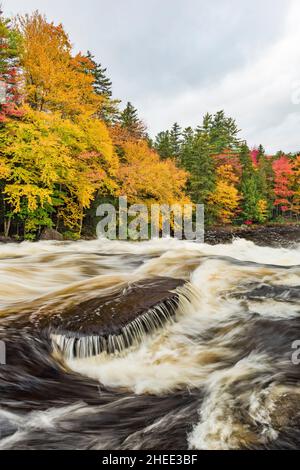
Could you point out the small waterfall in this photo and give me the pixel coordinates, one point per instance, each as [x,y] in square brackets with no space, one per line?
[131,335]
[72,345]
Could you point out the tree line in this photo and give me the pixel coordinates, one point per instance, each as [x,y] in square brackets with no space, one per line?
[66,145]
[237,185]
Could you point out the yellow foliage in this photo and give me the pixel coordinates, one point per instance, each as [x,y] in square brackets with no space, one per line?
[296,185]
[54,80]
[225,199]
[262,207]
[226,173]
[4,169]
[143,177]
[35,196]
[43,153]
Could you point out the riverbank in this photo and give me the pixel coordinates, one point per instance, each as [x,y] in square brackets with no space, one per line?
[285,235]
[264,235]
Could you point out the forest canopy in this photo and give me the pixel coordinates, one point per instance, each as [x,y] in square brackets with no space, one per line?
[66,145]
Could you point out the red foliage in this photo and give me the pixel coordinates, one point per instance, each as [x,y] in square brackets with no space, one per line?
[253,154]
[282,168]
[229,158]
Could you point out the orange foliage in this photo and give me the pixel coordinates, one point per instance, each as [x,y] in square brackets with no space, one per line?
[225,197]
[54,80]
[145,178]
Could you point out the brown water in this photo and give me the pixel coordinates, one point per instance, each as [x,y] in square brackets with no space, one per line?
[216,374]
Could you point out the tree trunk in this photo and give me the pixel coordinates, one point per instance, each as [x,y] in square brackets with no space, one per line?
[7,223]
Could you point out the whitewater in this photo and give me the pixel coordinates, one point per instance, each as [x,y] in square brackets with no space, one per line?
[162,344]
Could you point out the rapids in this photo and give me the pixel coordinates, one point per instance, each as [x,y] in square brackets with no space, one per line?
[208,366]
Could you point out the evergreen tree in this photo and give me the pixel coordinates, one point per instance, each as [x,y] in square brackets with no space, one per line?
[102,84]
[246,162]
[200,165]
[249,187]
[109,111]
[175,140]
[265,177]
[163,145]
[130,121]
[149,141]
[222,131]
[186,146]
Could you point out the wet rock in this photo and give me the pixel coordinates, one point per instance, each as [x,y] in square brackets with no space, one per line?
[107,314]
[276,235]
[51,234]
[279,293]
[6,240]
[113,322]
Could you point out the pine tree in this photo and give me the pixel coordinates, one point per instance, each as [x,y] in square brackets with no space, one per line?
[175,140]
[162,144]
[265,177]
[102,84]
[109,111]
[186,146]
[130,121]
[222,131]
[249,188]
[200,165]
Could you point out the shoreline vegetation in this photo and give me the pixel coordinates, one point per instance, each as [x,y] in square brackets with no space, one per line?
[67,146]
[276,235]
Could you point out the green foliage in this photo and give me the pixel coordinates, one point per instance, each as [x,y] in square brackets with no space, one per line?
[163,145]
[102,85]
[65,147]
[175,141]
[10,41]
[222,131]
[69,235]
[130,121]
[253,187]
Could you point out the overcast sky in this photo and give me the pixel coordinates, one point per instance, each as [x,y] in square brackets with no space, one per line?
[177,59]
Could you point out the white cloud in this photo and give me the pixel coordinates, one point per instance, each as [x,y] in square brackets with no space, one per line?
[176,60]
[258,94]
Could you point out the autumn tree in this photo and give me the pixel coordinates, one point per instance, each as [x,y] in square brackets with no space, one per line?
[283,191]
[65,147]
[53,167]
[54,79]
[295,186]
[143,177]
[225,197]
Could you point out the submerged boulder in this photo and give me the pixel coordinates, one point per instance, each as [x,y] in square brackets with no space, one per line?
[113,322]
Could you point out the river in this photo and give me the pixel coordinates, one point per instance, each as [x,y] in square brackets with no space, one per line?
[163,344]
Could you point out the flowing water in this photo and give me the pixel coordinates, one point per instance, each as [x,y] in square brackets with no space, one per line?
[208,366]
